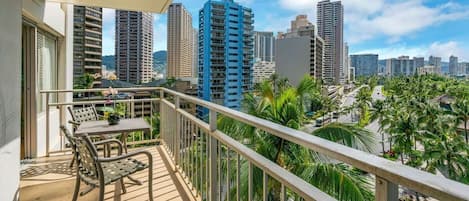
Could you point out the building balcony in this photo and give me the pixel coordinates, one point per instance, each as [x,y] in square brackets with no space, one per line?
[193,160]
[92,59]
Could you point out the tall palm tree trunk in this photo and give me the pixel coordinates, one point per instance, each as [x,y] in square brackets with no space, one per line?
[382,142]
[465,131]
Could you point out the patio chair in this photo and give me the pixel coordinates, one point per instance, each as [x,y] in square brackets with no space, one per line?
[97,171]
[83,115]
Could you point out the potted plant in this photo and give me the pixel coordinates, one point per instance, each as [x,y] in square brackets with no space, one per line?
[112,115]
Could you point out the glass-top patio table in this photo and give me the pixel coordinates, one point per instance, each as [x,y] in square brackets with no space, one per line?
[125,126]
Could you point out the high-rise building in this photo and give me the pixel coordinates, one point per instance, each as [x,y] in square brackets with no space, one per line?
[300,52]
[434,61]
[365,64]
[300,21]
[330,22]
[429,70]
[464,68]
[226,53]
[180,42]
[262,70]
[134,46]
[453,65]
[346,64]
[195,58]
[402,66]
[87,42]
[264,46]
[419,62]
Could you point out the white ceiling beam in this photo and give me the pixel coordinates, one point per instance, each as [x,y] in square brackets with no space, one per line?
[153,6]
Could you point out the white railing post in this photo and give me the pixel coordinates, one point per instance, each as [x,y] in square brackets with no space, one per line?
[385,190]
[47,125]
[162,119]
[213,151]
[176,138]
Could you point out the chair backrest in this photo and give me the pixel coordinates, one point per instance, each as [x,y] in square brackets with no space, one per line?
[69,136]
[83,114]
[87,155]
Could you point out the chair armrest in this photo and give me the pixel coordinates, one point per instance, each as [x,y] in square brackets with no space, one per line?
[125,156]
[74,123]
[111,141]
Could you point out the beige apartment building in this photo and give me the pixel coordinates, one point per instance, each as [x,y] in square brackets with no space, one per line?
[180,42]
[87,41]
[300,52]
[134,46]
[330,22]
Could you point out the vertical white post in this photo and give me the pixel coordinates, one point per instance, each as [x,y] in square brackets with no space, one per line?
[177,142]
[385,190]
[213,170]
[47,125]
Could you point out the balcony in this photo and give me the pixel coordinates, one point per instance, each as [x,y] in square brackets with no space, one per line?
[193,160]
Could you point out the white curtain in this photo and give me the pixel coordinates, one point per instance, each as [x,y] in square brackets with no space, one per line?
[46,68]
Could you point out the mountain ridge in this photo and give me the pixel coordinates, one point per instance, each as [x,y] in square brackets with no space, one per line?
[159,61]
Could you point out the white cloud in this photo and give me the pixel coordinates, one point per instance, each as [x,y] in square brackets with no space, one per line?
[366,20]
[109,14]
[440,49]
[109,33]
[298,5]
[447,49]
[160,34]
[399,19]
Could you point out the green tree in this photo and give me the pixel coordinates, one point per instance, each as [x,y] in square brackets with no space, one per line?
[286,108]
[461,111]
[445,150]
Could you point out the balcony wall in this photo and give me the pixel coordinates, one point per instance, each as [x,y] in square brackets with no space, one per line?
[10,97]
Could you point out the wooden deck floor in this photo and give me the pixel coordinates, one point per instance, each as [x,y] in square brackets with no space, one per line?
[51,179]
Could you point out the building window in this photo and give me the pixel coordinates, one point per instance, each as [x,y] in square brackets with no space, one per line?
[46,68]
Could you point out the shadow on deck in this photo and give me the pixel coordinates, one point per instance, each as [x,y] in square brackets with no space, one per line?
[51,179]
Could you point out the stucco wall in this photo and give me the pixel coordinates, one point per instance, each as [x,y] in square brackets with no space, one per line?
[293,58]
[10,98]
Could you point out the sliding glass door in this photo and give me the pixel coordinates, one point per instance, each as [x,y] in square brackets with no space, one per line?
[39,72]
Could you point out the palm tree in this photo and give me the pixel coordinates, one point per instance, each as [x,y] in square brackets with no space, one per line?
[445,150]
[402,132]
[461,111]
[286,108]
[363,103]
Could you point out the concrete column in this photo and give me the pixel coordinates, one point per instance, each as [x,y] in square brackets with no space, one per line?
[10,97]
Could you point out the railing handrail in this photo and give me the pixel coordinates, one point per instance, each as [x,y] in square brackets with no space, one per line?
[104,102]
[304,189]
[420,181]
[99,90]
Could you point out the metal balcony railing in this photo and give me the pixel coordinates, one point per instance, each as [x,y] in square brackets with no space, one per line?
[210,161]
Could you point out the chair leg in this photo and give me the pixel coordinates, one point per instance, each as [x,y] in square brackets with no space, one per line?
[73,160]
[124,141]
[77,188]
[150,180]
[101,193]
[124,190]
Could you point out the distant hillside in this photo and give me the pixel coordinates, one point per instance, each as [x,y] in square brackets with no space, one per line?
[159,61]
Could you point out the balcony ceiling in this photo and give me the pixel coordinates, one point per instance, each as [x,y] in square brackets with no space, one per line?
[154,6]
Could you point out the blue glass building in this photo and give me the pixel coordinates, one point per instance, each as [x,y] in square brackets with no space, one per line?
[226,53]
[364,64]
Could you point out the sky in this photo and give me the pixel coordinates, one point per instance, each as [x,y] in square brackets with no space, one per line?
[390,28]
